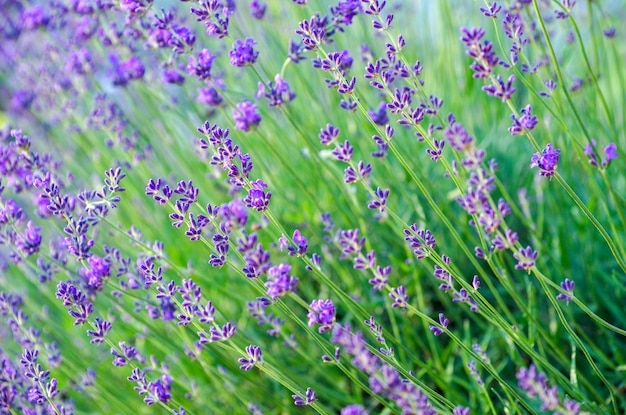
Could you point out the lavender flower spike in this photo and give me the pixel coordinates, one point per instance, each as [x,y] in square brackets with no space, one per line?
[322,312]
[546,161]
[568,286]
[309,398]
[243,53]
[255,357]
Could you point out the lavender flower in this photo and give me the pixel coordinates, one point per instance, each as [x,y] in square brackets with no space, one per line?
[568,286]
[546,161]
[525,123]
[102,328]
[443,321]
[322,312]
[309,398]
[501,89]
[255,357]
[258,198]
[277,92]
[257,9]
[243,52]
[279,282]
[525,258]
[610,153]
[246,116]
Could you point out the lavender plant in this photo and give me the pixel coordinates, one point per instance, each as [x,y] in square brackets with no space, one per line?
[355,206]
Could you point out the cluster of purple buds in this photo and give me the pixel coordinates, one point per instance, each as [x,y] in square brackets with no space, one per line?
[536,385]
[215,16]
[337,64]
[610,153]
[384,380]
[277,92]
[525,123]
[254,358]
[243,52]
[322,312]
[477,200]
[485,62]
[547,161]
[343,152]
[351,244]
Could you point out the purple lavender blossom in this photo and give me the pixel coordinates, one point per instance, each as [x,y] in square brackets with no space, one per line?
[491,11]
[353,410]
[546,161]
[279,281]
[610,153]
[246,116]
[443,322]
[209,96]
[257,9]
[525,258]
[126,71]
[537,385]
[329,134]
[501,89]
[399,297]
[322,312]
[258,198]
[308,399]
[201,66]
[243,53]
[102,328]
[568,286]
[255,357]
[277,92]
[609,33]
[525,123]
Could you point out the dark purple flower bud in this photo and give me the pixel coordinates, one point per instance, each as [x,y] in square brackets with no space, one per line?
[525,258]
[257,9]
[610,153]
[501,89]
[329,134]
[322,312]
[246,116]
[399,297]
[435,154]
[257,198]
[419,240]
[525,123]
[546,161]
[363,171]
[255,357]
[491,11]
[159,391]
[609,33]
[568,286]
[201,66]
[279,282]
[102,328]
[127,70]
[312,31]
[209,96]
[353,410]
[443,321]
[243,52]
[343,152]
[172,76]
[379,116]
[380,200]
[29,240]
[277,92]
[309,398]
